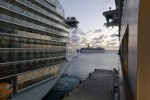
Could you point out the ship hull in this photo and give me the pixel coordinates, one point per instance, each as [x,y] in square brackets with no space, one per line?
[88,51]
[39,91]
[92,50]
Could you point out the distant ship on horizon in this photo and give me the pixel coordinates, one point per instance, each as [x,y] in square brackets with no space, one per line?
[89,49]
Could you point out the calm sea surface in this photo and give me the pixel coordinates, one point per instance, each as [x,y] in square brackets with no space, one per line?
[86,63]
[79,69]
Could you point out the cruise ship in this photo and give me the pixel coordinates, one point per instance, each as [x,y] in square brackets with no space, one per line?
[133,19]
[33,40]
[92,50]
[89,49]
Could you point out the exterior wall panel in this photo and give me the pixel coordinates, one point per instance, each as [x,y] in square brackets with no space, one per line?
[130,19]
[143,88]
[133,41]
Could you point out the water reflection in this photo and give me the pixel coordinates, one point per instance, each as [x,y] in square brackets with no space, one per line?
[64,86]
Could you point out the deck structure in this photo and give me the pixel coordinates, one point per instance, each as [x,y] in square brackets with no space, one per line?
[97,86]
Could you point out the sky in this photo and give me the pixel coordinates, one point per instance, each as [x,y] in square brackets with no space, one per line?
[91,28]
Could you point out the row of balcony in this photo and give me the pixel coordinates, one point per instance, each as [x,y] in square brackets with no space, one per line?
[38,7]
[14,68]
[10,31]
[55,6]
[34,77]
[22,23]
[24,6]
[11,55]
[28,15]
[16,42]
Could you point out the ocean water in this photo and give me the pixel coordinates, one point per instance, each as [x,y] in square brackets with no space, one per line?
[63,87]
[79,69]
[86,63]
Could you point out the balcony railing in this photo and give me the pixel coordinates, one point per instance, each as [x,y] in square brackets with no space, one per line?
[15,68]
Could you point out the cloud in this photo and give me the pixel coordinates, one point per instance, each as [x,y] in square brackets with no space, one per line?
[90,31]
[105,36]
[113,35]
[84,40]
[98,42]
[98,30]
[111,44]
[99,38]
[105,39]
[75,38]
[115,39]
[101,41]
[78,31]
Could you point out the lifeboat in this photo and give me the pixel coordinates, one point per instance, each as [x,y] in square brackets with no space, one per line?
[5,90]
[71,22]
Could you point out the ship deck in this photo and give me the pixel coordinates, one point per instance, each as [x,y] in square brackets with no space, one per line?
[97,86]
